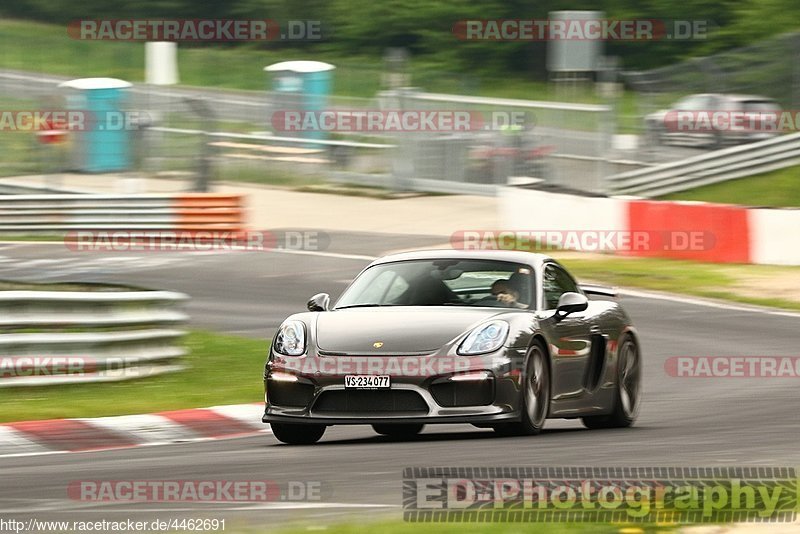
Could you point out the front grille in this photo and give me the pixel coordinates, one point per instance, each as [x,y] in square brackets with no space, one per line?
[467,393]
[371,402]
[289,393]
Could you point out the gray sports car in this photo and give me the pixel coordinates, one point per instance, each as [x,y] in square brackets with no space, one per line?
[498,339]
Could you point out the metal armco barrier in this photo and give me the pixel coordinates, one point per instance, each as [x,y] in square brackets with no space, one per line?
[56,213]
[710,168]
[67,337]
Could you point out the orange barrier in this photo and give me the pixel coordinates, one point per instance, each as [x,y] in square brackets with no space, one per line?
[210,211]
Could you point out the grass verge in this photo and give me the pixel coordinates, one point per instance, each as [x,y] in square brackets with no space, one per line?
[222,369]
[36,46]
[763,285]
[780,188]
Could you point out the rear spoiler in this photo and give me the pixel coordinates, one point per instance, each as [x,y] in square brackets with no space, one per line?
[601,291]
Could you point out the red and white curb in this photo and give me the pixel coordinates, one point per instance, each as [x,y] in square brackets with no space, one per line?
[102,433]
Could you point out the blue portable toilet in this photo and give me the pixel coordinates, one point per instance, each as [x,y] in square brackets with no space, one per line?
[103,145]
[301,86]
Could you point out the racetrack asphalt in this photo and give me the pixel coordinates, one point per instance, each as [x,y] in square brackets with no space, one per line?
[683,421]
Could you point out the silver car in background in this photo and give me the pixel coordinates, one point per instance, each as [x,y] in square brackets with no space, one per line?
[754,113]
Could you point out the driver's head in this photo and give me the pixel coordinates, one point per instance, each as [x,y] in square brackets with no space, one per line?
[500,286]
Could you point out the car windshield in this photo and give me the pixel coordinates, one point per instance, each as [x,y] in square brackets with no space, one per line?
[446,282]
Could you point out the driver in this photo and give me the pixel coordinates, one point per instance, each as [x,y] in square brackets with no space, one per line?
[504,293]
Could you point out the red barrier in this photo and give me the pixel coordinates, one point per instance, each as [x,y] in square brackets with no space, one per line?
[704,232]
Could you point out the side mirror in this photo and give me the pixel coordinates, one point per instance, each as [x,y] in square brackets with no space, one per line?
[570,303]
[319,302]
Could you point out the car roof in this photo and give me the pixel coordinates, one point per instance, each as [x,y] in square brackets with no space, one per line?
[514,256]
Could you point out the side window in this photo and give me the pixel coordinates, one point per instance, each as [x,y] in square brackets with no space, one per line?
[556,282]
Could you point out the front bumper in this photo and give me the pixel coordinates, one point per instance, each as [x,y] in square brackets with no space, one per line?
[322,399]
[425,420]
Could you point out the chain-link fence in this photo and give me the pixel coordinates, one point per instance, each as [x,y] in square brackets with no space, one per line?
[201,135]
[517,141]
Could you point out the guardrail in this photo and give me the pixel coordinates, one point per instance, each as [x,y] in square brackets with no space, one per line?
[55,213]
[67,337]
[710,168]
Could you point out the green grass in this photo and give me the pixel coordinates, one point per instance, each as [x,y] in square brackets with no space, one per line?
[36,46]
[47,48]
[710,280]
[222,369]
[265,175]
[780,188]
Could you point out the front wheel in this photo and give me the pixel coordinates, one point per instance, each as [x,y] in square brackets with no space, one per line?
[629,380]
[535,396]
[297,434]
[399,431]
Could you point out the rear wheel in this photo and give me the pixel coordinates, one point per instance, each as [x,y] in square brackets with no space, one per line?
[535,396]
[626,401]
[399,431]
[297,434]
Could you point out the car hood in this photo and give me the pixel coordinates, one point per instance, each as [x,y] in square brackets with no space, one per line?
[398,330]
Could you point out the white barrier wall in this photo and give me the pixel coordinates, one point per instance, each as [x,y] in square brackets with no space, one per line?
[775,236]
[531,210]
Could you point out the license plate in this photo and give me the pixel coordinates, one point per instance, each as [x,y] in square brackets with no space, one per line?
[367,381]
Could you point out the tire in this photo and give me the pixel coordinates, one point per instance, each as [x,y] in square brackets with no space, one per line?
[535,393]
[628,391]
[297,434]
[399,431]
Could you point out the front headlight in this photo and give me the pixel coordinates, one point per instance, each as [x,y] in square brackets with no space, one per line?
[291,339]
[485,338]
